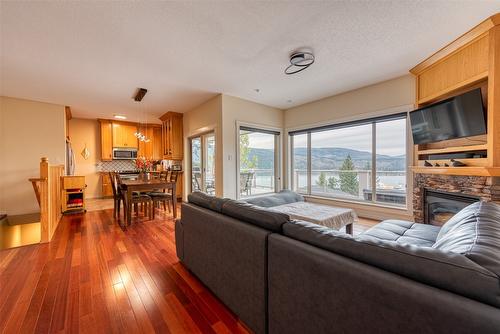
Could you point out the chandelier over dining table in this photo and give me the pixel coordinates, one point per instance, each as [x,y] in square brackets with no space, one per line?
[139,95]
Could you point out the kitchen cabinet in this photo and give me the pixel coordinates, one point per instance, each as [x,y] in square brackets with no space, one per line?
[107,190]
[124,135]
[157,144]
[172,136]
[73,193]
[106,140]
[151,149]
[178,186]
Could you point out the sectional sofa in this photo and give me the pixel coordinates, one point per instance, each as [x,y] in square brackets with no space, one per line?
[285,276]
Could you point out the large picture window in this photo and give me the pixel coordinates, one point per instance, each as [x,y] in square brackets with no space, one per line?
[359,161]
[258,161]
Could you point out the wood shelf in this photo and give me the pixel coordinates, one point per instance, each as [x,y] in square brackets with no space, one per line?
[454,149]
[478,162]
[466,171]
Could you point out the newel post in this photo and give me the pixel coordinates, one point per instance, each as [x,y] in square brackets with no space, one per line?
[44,200]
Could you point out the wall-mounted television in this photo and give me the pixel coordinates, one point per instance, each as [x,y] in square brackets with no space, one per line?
[457,117]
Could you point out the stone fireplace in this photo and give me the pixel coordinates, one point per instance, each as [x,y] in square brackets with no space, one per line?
[440,206]
[472,188]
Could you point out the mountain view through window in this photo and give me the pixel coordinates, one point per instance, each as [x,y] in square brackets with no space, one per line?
[342,162]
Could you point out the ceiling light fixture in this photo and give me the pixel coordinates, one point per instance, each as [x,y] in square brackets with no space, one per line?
[299,61]
[140,94]
[120,116]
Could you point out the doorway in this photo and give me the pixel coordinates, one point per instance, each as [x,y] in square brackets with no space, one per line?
[203,163]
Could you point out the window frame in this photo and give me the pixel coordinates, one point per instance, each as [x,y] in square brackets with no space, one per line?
[278,155]
[351,123]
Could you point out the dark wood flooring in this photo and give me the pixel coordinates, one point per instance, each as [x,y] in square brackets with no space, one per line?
[95,277]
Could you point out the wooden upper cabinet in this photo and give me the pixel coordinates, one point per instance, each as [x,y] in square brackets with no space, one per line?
[157,144]
[172,134]
[464,62]
[469,62]
[106,140]
[464,67]
[145,149]
[176,138]
[151,149]
[124,135]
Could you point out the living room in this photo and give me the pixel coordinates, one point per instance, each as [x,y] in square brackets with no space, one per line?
[162,162]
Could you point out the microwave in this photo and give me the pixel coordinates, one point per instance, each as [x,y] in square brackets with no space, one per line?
[124,153]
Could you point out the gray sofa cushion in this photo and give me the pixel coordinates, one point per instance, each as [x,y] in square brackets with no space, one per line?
[475,233]
[445,270]
[283,197]
[406,232]
[230,258]
[206,201]
[312,290]
[255,215]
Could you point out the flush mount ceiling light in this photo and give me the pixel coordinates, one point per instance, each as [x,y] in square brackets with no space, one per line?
[299,61]
[120,116]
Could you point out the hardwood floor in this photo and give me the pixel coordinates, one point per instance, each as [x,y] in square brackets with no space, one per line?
[96,278]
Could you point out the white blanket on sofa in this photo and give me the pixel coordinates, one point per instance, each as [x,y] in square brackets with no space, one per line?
[330,216]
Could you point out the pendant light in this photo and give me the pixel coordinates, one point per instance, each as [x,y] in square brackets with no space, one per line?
[141,92]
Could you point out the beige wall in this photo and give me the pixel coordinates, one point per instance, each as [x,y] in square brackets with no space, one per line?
[238,110]
[29,130]
[354,104]
[206,117]
[220,114]
[392,96]
[86,132]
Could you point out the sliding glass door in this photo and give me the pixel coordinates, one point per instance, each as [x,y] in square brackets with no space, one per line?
[258,161]
[203,163]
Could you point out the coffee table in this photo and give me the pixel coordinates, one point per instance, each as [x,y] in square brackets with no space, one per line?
[329,216]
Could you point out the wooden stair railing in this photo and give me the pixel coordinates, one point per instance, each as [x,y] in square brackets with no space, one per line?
[47,189]
[35,182]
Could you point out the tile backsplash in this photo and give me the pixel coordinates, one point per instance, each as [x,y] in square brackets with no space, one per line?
[115,165]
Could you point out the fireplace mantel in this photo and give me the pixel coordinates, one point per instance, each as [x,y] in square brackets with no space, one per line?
[465,171]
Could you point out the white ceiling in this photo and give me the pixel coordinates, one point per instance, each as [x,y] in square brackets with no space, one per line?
[93,55]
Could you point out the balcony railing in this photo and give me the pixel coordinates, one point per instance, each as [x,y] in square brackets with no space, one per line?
[355,184]
[256,181]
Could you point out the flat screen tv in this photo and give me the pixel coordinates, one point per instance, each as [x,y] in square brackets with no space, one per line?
[457,117]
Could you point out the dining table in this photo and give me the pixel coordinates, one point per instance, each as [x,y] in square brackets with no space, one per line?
[139,185]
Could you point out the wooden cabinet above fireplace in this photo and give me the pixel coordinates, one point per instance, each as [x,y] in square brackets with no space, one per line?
[471,61]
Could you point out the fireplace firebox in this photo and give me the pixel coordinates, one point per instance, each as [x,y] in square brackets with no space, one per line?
[440,206]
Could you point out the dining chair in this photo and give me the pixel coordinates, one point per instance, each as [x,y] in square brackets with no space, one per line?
[164,197]
[117,195]
[137,199]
